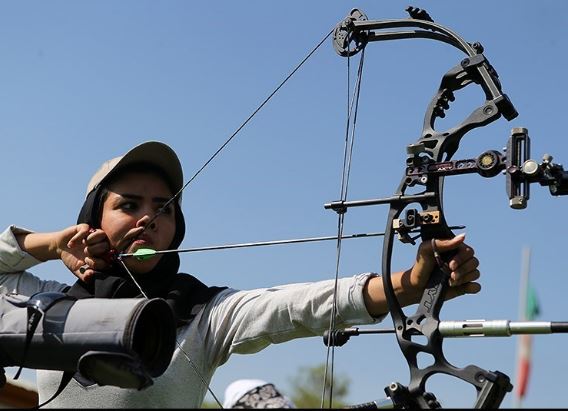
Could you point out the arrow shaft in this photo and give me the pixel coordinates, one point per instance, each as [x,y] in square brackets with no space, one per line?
[268,243]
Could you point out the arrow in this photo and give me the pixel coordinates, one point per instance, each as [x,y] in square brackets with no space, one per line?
[143,254]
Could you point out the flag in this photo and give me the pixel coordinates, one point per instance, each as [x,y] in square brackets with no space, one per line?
[531,311]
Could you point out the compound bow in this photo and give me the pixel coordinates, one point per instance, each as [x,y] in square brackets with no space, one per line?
[428,161]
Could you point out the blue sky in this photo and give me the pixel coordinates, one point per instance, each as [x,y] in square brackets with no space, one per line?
[82,82]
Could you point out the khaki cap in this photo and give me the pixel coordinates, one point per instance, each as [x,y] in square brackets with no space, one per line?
[153,152]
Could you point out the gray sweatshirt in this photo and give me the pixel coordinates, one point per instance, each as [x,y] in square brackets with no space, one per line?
[234,321]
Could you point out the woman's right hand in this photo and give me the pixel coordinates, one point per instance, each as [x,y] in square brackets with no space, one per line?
[83,250]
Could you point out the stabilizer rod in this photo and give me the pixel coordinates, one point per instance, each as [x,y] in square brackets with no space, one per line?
[465,328]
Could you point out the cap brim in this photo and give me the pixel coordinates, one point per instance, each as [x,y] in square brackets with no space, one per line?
[152,152]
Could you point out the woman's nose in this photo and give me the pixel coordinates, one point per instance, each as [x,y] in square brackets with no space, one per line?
[144,221]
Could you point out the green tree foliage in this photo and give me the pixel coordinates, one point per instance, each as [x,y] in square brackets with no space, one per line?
[210,404]
[307,388]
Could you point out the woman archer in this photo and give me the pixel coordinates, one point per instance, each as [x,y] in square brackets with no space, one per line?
[120,212]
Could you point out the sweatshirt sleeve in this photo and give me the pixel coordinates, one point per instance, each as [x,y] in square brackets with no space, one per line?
[13,265]
[12,258]
[248,321]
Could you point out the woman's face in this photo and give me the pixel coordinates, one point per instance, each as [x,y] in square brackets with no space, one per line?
[132,200]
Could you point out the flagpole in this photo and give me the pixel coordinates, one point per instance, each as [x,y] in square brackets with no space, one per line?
[521,343]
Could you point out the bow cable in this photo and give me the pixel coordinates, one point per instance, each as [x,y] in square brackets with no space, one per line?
[352,109]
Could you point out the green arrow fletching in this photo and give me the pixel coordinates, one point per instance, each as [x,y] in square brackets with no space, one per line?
[143,254]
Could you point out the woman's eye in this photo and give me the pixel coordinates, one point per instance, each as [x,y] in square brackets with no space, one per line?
[168,210]
[129,205]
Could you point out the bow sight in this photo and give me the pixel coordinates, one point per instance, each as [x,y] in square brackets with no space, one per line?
[516,164]
[520,171]
[428,162]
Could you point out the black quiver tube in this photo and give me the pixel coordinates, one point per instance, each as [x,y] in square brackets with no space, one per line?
[120,342]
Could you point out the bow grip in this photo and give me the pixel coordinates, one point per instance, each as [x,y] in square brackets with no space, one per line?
[435,290]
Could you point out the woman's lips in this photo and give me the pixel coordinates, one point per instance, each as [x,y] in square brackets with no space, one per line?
[142,243]
[145,243]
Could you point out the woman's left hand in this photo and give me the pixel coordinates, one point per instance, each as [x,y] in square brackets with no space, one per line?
[463,266]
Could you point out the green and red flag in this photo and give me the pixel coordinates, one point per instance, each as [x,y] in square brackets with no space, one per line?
[529,311]
[525,345]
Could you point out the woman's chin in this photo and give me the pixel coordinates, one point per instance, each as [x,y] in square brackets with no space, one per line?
[141,267]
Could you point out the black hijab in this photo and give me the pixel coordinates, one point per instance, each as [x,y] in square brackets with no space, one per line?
[181,291]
